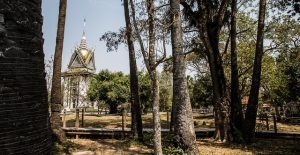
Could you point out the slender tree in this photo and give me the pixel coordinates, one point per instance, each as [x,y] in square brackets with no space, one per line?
[251,112]
[56,97]
[154,79]
[236,113]
[24,116]
[151,61]
[136,120]
[183,120]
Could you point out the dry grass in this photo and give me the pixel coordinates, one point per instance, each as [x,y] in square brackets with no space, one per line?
[261,146]
[206,147]
[109,147]
[201,120]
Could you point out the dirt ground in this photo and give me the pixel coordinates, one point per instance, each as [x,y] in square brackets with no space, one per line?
[206,147]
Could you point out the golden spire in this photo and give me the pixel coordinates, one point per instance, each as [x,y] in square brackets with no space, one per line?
[83,44]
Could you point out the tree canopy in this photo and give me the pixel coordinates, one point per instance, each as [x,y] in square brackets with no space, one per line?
[110,87]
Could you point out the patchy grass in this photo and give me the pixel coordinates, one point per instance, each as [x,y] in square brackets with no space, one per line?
[200,120]
[115,121]
[66,148]
[107,147]
[281,127]
[287,127]
[206,146]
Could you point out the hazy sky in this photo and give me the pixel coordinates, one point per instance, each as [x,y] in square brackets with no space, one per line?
[101,16]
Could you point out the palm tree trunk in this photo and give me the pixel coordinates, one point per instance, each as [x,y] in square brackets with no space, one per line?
[55,100]
[136,118]
[24,115]
[183,120]
[251,112]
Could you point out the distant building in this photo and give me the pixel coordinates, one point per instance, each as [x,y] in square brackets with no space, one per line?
[76,79]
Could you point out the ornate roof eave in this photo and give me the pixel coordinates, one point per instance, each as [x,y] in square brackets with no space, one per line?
[78,73]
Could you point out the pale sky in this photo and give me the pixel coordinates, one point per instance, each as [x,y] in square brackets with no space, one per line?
[101,16]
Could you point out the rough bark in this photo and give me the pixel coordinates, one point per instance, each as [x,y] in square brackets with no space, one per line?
[236,113]
[183,119]
[154,79]
[55,100]
[209,26]
[24,117]
[136,118]
[155,113]
[251,112]
[209,30]
[220,92]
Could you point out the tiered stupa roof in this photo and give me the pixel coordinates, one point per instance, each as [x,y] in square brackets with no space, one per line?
[82,60]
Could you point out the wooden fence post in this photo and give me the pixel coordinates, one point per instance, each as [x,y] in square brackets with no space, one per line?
[82,118]
[275,123]
[64,119]
[77,120]
[168,119]
[267,121]
[123,123]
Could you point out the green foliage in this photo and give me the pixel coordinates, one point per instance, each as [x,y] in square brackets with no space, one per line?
[246,41]
[110,87]
[165,91]
[62,148]
[282,75]
[113,89]
[173,150]
[292,7]
[145,91]
[201,91]
[169,146]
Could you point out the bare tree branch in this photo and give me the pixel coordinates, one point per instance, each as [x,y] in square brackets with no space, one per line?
[164,52]
[140,41]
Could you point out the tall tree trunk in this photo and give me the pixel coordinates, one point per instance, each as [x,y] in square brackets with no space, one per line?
[183,119]
[251,112]
[55,100]
[236,113]
[24,115]
[151,64]
[136,118]
[154,79]
[221,102]
[155,113]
